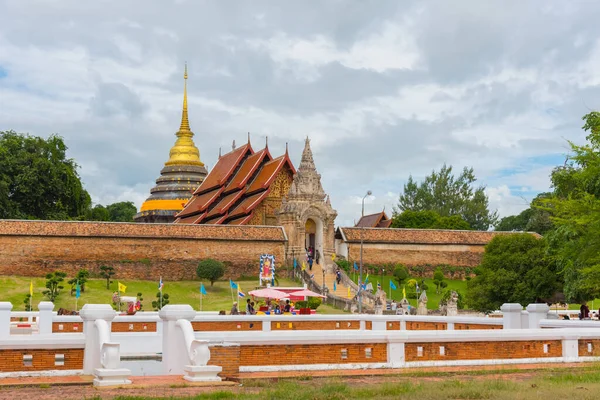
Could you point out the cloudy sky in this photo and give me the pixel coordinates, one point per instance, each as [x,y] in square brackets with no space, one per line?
[384,89]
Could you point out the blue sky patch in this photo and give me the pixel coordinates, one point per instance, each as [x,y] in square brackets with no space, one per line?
[3,72]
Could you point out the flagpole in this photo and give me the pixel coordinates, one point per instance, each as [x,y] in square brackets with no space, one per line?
[160,292]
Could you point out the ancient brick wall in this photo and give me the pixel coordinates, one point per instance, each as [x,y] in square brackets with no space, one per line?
[216,326]
[589,347]
[41,360]
[426,326]
[226,357]
[461,326]
[137,251]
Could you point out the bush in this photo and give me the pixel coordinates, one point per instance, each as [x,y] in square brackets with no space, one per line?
[211,270]
[301,304]
[314,303]
[53,284]
[344,265]
[400,274]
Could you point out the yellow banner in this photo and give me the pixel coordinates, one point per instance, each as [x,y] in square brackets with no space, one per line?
[122,288]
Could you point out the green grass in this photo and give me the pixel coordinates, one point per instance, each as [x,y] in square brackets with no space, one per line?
[15,288]
[499,384]
[433,298]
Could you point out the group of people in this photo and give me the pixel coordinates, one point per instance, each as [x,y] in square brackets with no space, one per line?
[276,308]
[312,256]
[584,312]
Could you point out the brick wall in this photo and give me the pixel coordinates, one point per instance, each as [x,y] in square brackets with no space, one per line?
[215,326]
[67,327]
[133,327]
[312,354]
[226,357]
[425,326]
[41,360]
[482,350]
[315,325]
[460,326]
[392,325]
[584,349]
[137,251]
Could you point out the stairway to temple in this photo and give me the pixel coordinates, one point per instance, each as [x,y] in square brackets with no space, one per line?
[341,289]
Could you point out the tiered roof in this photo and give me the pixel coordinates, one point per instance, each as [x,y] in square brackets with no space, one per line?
[233,189]
[378,220]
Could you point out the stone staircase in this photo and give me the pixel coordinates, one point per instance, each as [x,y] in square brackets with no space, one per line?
[341,289]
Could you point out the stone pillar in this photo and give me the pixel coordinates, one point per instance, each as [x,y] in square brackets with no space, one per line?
[537,312]
[5,309]
[45,317]
[511,315]
[89,314]
[174,351]
[395,355]
[570,349]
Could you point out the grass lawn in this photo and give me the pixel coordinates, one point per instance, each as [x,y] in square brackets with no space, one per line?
[15,288]
[433,299]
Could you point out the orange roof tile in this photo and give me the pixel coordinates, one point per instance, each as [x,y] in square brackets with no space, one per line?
[242,220]
[268,173]
[194,219]
[223,205]
[199,203]
[247,169]
[248,204]
[224,168]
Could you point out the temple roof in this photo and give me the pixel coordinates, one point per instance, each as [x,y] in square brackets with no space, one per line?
[233,189]
[377,220]
[181,175]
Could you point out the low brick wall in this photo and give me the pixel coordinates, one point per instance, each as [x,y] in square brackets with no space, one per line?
[41,360]
[215,326]
[303,354]
[589,344]
[425,326]
[445,351]
[315,325]
[133,327]
[226,357]
[67,327]
[137,251]
[461,326]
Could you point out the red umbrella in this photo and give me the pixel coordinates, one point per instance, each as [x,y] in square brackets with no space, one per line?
[306,293]
[268,293]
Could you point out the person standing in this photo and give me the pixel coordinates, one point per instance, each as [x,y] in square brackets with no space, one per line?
[234,309]
[584,311]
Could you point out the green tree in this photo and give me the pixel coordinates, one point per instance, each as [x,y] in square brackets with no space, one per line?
[210,269]
[97,213]
[81,277]
[461,304]
[156,304]
[428,219]
[27,302]
[122,211]
[401,274]
[37,180]
[107,272]
[515,269]
[532,219]
[53,284]
[575,212]
[448,195]
[438,280]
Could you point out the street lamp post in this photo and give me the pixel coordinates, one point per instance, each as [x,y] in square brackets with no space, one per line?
[361,255]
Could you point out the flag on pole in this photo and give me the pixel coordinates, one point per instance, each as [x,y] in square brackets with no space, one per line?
[378,285]
[122,288]
[312,276]
[366,279]
[160,285]
[232,284]
[31,288]
[334,286]
[349,293]
[303,266]
[355,266]
[295,263]
[240,293]
[202,289]
[77,291]
[392,285]
[404,292]
[333,257]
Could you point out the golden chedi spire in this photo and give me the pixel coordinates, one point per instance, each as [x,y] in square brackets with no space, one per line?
[179,178]
[184,152]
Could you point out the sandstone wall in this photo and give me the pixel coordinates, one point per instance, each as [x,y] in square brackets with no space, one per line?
[137,251]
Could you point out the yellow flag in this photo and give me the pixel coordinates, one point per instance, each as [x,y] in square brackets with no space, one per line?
[404,292]
[122,288]
[31,288]
[349,293]
[333,257]
[303,266]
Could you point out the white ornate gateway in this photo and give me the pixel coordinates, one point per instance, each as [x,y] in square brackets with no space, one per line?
[306,212]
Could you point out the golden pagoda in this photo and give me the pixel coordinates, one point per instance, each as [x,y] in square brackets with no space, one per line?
[179,178]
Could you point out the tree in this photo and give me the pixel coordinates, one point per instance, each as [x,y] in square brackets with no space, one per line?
[446,296]
[27,302]
[532,219]
[53,284]
[37,180]
[448,196]
[210,269]
[438,280]
[428,219]
[107,272]
[400,274]
[98,213]
[81,278]
[122,211]
[574,209]
[515,269]
[157,304]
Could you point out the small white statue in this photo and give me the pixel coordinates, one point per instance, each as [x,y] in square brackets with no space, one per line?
[422,307]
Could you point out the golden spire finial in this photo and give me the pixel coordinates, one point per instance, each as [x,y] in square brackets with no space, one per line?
[185,122]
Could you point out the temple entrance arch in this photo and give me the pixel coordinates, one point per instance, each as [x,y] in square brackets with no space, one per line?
[313,236]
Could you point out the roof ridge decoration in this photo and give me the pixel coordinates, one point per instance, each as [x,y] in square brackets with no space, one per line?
[184,152]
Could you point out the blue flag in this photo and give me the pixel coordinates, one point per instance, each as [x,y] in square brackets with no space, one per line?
[355,266]
[77,291]
[202,289]
[392,285]
[295,263]
[334,286]
[232,284]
